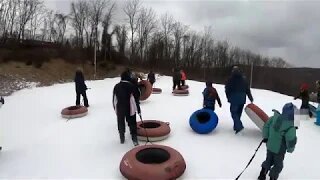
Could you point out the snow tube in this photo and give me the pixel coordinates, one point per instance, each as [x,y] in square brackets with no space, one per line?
[185,87]
[155,130]
[181,92]
[146,89]
[203,121]
[156,90]
[258,116]
[152,162]
[74,112]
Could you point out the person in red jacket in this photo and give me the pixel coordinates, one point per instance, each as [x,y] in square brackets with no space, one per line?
[210,96]
[183,77]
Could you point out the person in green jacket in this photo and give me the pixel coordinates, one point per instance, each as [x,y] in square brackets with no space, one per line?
[279,134]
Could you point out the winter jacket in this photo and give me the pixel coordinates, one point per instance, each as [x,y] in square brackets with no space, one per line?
[79,80]
[151,77]
[304,95]
[237,88]
[126,96]
[210,95]
[281,134]
[183,75]
[176,75]
[1,101]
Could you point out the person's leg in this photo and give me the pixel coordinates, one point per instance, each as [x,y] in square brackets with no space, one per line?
[78,99]
[174,85]
[277,167]
[265,166]
[183,82]
[85,99]
[237,124]
[132,123]
[121,127]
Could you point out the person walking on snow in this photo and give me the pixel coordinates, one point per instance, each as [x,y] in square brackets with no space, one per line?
[81,88]
[304,95]
[126,103]
[183,77]
[279,134]
[151,77]
[1,103]
[237,89]
[210,95]
[176,79]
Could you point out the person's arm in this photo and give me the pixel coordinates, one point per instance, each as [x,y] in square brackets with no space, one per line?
[217,97]
[114,99]
[298,96]
[266,127]
[248,92]
[291,139]
[136,94]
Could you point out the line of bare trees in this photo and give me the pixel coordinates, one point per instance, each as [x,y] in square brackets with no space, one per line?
[143,37]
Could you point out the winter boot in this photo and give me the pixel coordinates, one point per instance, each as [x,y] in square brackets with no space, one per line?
[263,174]
[122,138]
[135,140]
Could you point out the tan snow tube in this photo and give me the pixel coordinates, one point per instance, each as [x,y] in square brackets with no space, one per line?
[257,115]
[156,90]
[181,92]
[146,89]
[152,162]
[74,112]
[153,130]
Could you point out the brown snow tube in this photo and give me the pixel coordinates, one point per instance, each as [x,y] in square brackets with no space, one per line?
[182,92]
[146,89]
[152,162]
[154,130]
[74,112]
[156,90]
[185,87]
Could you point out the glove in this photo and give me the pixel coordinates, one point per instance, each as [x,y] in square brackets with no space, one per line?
[265,140]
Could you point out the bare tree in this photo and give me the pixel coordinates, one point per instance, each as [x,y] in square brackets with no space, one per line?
[106,40]
[167,27]
[27,8]
[61,23]
[146,24]
[132,9]
[121,32]
[78,16]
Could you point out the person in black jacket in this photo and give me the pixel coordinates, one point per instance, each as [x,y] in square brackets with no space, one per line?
[81,88]
[151,77]
[176,77]
[126,103]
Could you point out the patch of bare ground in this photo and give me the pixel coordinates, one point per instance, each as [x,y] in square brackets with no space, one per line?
[16,75]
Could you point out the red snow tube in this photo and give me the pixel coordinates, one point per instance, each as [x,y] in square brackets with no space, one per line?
[146,89]
[185,87]
[155,130]
[74,112]
[156,90]
[152,162]
[182,92]
[258,116]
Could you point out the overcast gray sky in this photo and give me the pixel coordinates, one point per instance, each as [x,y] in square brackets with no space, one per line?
[287,29]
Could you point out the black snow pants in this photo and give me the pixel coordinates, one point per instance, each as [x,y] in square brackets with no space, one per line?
[132,123]
[85,99]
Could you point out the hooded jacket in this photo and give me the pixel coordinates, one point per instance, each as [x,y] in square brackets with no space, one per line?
[79,80]
[237,88]
[126,96]
[280,131]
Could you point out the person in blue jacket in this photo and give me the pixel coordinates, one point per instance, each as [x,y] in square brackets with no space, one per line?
[237,88]
[210,96]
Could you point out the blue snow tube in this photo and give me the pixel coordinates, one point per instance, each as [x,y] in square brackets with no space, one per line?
[203,121]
